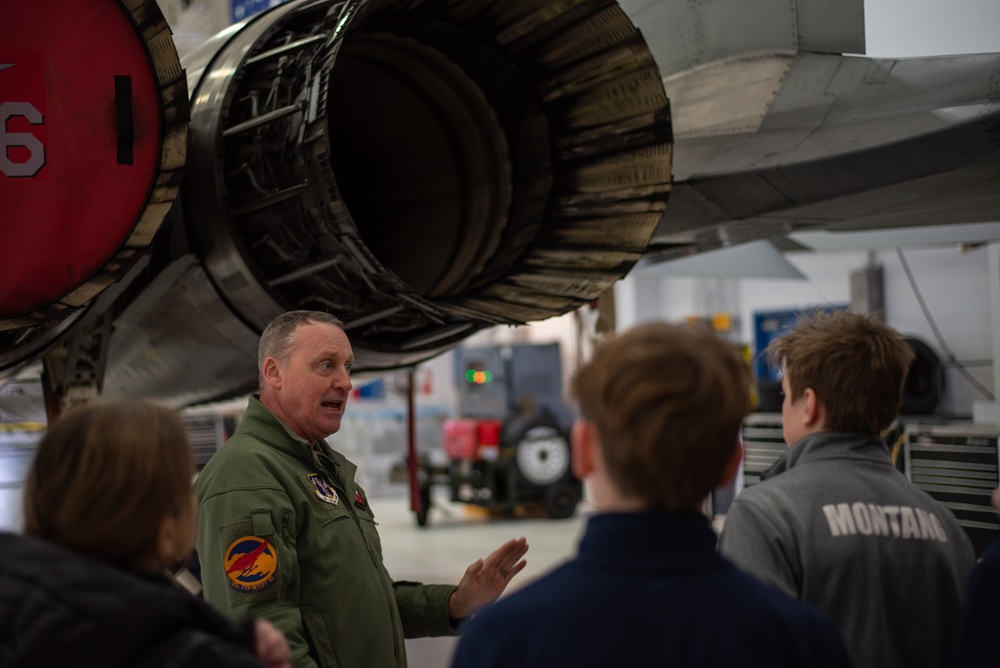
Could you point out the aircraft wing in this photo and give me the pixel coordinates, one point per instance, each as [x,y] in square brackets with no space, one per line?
[685,35]
[771,144]
[781,126]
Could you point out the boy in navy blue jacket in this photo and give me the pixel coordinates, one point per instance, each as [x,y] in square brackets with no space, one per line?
[661,409]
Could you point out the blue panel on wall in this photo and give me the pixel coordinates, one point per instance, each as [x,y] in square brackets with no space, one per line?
[244,9]
[768,325]
[373,390]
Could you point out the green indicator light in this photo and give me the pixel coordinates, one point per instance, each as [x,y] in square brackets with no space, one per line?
[478,377]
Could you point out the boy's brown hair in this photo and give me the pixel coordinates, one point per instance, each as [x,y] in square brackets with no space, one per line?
[105,475]
[667,402]
[856,365]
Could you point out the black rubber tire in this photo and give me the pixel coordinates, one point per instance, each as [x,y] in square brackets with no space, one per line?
[523,430]
[769,396]
[422,516]
[425,501]
[561,499]
[924,384]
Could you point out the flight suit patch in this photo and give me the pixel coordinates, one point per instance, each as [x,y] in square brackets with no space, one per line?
[250,562]
[323,489]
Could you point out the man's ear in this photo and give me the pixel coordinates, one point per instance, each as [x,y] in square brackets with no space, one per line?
[583,441]
[271,370]
[733,465]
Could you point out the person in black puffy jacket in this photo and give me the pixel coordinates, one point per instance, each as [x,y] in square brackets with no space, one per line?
[109,511]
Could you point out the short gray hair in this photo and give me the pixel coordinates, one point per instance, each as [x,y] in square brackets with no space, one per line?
[279,335]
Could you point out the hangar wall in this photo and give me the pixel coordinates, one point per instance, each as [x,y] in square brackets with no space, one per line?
[954,281]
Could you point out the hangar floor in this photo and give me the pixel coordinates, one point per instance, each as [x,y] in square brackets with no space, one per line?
[455,537]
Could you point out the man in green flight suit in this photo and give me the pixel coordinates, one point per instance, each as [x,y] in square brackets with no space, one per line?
[286,534]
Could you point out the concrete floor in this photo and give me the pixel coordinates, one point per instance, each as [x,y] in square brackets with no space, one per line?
[455,537]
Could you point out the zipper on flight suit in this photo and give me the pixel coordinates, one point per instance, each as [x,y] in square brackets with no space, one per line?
[390,596]
[285,519]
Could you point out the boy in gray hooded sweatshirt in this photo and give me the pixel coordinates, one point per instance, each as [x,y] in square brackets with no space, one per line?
[833,522]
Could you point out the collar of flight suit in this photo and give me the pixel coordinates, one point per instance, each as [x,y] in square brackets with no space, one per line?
[260,420]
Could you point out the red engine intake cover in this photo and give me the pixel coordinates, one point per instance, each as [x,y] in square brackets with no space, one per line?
[80,146]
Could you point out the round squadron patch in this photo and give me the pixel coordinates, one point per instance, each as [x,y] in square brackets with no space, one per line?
[251,564]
